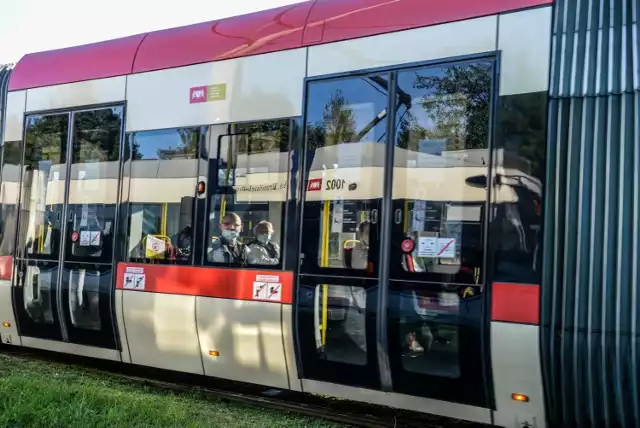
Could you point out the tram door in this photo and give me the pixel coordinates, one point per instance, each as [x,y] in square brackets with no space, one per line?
[65,257]
[390,290]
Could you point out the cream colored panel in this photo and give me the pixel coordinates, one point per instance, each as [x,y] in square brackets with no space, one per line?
[161,331]
[516,369]
[421,44]
[79,94]
[399,401]
[289,347]
[14,116]
[248,337]
[122,331]
[525,45]
[71,348]
[257,87]
[9,334]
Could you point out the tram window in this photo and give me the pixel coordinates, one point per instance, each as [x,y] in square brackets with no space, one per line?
[441,145]
[162,186]
[43,184]
[93,188]
[427,324]
[340,323]
[9,187]
[346,139]
[246,209]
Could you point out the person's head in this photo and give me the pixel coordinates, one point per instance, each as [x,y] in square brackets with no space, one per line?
[363,232]
[263,231]
[186,231]
[231,226]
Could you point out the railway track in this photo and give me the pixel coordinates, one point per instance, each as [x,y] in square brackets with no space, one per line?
[345,412]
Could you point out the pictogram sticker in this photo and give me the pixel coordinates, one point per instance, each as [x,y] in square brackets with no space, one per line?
[446,248]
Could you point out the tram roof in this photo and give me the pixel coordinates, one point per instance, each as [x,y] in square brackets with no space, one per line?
[299,25]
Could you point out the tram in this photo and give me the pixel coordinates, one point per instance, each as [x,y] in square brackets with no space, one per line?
[339,197]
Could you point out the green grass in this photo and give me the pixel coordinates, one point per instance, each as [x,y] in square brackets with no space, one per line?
[41,394]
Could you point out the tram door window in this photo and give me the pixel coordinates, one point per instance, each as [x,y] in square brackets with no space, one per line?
[249,167]
[346,139]
[437,243]
[63,289]
[88,268]
[40,230]
[161,192]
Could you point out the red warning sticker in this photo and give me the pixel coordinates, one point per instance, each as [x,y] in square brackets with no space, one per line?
[74,237]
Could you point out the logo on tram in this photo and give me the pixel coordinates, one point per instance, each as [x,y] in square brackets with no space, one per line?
[315,184]
[198,94]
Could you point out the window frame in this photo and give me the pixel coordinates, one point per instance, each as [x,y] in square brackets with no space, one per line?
[214,189]
[126,204]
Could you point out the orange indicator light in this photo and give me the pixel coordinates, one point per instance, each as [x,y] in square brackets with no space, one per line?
[520,397]
[214,353]
[6,324]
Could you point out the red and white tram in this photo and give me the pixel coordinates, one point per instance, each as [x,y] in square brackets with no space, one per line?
[342,197]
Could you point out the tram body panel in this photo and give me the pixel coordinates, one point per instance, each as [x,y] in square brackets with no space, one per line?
[524,43]
[448,40]
[245,89]
[243,341]
[86,93]
[14,115]
[162,330]
[515,354]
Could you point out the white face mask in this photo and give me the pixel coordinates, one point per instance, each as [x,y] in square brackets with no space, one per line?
[264,239]
[230,235]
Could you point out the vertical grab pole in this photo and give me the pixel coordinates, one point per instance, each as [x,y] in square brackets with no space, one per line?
[325,262]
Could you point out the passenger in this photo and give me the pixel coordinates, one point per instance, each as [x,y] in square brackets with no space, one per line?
[263,250]
[359,258]
[183,242]
[228,249]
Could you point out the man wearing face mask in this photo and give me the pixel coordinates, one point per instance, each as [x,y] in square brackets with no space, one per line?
[263,250]
[228,249]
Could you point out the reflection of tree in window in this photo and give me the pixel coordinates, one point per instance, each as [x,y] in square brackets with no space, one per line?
[457,101]
[96,135]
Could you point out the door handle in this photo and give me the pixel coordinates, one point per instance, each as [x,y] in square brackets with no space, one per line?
[398,216]
[35,288]
[374,216]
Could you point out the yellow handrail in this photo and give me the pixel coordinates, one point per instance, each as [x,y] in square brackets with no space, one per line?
[324,262]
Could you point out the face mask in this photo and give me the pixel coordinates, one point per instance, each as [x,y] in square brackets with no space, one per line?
[263,239]
[230,235]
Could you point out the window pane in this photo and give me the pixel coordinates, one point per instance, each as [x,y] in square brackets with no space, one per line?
[340,323]
[246,212]
[428,321]
[43,185]
[9,189]
[93,188]
[345,149]
[164,171]
[441,146]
